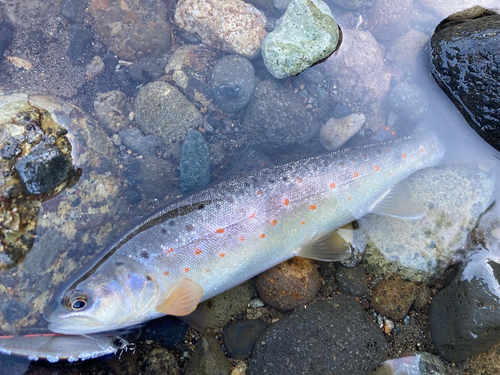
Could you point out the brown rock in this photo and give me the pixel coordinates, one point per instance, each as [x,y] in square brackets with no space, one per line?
[486,363]
[422,297]
[289,284]
[393,297]
[111,108]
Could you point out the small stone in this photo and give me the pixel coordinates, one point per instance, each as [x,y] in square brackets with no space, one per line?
[388,19]
[290,284]
[256,303]
[95,68]
[155,177]
[337,131]
[304,35]
[111,109]
[393,297]
[147,69]
[208,359]
[6,35]
[240,368]
[74,10]
[388,326]
[161,361]
[232,83]
[149,145]
[240,337]
[422,297]
[351,281]
[409,101]
[80,39]
[233,26]
[195,162]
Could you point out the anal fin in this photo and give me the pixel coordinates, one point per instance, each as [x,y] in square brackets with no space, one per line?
[332,247]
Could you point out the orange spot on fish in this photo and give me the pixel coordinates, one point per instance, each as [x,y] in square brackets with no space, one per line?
[207,270]
[274,222]
[241,238]
[376,168]
[33,335]
[220,230]
[421,149]
[303,222]
[197,251]
[404,155]
[356,175]
[299,179]
[388,151]
[353,160]
[364,157]
[252,215]
[260,192]
[222,255]
[262,235]
[349,199]
[7,337]
[286,201]
[170,250]
[312,207]
[166,273]
[49,334]
[389,174]
[186,269]
[332,185]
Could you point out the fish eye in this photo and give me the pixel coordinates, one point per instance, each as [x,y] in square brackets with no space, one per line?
[117,342]
[76,300]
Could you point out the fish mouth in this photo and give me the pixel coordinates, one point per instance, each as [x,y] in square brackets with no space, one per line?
[74,328]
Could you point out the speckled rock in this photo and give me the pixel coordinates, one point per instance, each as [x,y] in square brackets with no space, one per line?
[337,131]
[422,297]
[408,101]
[290,284]
[208,359]
[111,108]
[155,177]
[403,52]
[74,10]
[393,297]
[191,69]
[446,7]
[277,117]
[233,26]
[324,338]
[163,111]
[161,361]
[420,251]
[486,363]
[132,28]
[149,145]
[388,19]
[352,4]
[168,332]
[414,363]
[232,83]
[195,162]
[240,337]
[304,35]
[357,71]
[351,281]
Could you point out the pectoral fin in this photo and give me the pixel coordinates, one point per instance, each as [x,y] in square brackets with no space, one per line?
[183,300]
[399,202]
[332,247]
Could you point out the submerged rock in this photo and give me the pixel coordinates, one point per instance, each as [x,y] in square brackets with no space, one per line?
[466,61]
[486,363]
[304,35]
[352,4]
[337,131]
[195,162]
[111,109]
[388,19]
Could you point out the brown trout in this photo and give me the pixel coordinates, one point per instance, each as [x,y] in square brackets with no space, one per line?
[215,239]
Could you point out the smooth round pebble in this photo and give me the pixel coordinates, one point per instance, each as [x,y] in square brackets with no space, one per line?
[351,281]
[408,101]
[393,297]
[337,131]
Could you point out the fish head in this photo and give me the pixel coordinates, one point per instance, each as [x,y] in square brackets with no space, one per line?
[120,293]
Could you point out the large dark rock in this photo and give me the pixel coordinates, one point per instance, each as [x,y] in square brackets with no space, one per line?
[330,337]
[466,61]
[195,162]
[240,337]
[6,35]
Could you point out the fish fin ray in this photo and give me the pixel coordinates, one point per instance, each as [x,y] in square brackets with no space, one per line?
[399,202]
[332,247]
[183,300]
[199,319]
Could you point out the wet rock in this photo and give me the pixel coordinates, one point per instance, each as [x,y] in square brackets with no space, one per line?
[168,331]
[403,52]
[6,35]
[240,368]
[466,59]
[95,68]
[486,363]
[304,35]
[74,10]
[352,4]
[290,284]
[161,361]
[190,68]
[275,116]
[464,317]
[43,169]
[422,297]
[331,335]
[163,111]
[234,26]
[337,131]
[132,28]
[208,359]
[155,177]
[351,281]
[420,251]
[111,108]
[80,40]
[232,83]
[149,145]
[446,7]
[225,306]
[357,71]
[393,297]
[388,19]
[414,363]
[13,310]
[408,101]
[195,162]
[281,5]
[240,337]
[147,69]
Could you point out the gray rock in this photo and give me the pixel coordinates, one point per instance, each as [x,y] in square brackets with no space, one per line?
[74,10]
[352,4]
[147,69]
[208,359]
[388,19]
[275,116]
[352,280]
[329,337]
[240,337]
[195,162]
[149,145]
[111,108]
[403,52]
[409,101]
[43,169]
[163,111]
[466,61]
[233,82]
[161,361]
[155,177]
[304,35]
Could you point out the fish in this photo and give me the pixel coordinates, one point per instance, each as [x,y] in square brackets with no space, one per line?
[56,348]
[212,240]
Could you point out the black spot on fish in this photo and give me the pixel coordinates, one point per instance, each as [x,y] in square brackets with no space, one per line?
[163,230]
[201,206]
[148,278]
[230,200]
[285,179]
[171,223]
[144,254]
[255,179]
[325,163]
[246,184]
[217,206]
[272,181]
[189,227]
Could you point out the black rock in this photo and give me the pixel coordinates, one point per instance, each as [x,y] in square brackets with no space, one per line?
[464,317]
[74,10]
[44,168]
[195,162]
[149,145]
[80,39]
[240,337]
[13,311]
[466,61]
[208,359]
[233,82]
[329,337]
[352,280]
[6,35]
[147,69]
[156,177]
[169,332]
